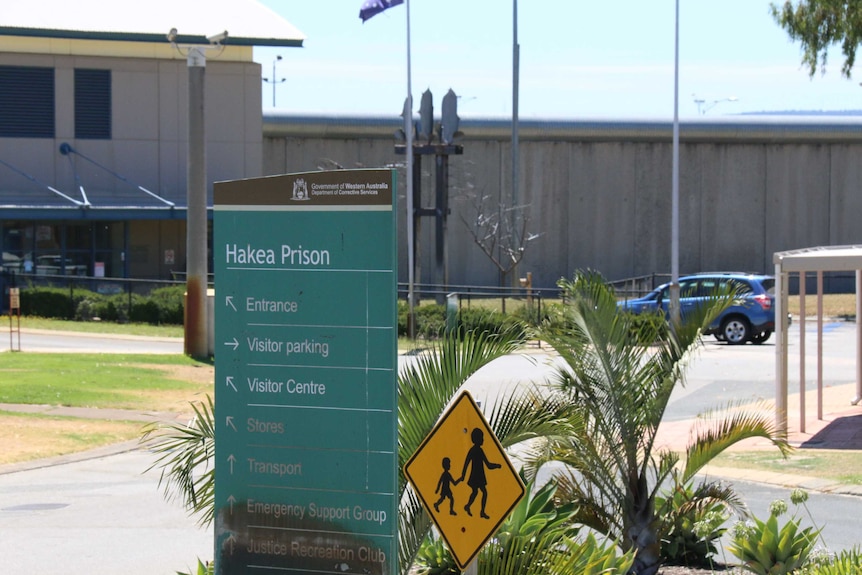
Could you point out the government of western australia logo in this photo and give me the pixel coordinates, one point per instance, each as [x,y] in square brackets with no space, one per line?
[300,190]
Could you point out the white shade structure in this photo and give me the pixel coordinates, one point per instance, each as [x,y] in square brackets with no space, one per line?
[817,260]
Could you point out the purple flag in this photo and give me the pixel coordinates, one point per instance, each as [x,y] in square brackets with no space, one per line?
[374,7]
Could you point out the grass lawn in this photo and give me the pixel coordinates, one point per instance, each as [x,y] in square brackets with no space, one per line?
[28,322]
[137,382]
[840,466]
[141,382]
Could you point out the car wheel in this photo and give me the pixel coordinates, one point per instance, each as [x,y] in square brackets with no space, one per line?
[735,330]
[759,338]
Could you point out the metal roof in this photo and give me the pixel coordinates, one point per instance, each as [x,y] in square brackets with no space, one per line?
[725,129]
[821,258]
[248,22]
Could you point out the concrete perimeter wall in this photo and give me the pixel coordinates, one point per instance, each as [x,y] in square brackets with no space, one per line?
[599,193]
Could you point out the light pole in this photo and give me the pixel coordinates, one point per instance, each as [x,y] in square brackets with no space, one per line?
[674,218]
[273,79]
[196,341]
[703,107]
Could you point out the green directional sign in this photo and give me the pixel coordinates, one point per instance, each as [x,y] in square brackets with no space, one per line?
[305,366]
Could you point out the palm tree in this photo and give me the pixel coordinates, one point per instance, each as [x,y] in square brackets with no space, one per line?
[619,372]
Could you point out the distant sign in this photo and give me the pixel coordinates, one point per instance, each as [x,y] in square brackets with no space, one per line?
[465,480]
[14,298]
[306,364]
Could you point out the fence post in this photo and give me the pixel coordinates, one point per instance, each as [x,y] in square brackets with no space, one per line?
[451,311]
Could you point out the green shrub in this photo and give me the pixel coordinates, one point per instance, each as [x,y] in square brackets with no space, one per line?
[431,320]
[479,320]
[113,308]
[144,310]
[171,303]
[766,549]
[203,569]
[551,315]
[539,537]
[649,328]
[86,309]
[161,306]
[51,302]
[691,527]
[845,563]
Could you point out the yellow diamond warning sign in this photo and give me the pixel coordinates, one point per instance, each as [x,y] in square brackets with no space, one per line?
[464,479]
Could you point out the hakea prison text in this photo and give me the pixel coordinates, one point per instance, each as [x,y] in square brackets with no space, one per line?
[286,256]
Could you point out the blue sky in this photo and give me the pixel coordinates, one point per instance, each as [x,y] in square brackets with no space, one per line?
[579,59]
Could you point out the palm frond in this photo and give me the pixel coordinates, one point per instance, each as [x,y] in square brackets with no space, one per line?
[426,386]
[425,389]
[528,415]
[715,431]
[413,526]
[185,457]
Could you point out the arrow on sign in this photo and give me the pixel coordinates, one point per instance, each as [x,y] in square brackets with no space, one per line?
[231,500]
[233,343]
[229,421]
[229,380]
[231,459]
[228,300]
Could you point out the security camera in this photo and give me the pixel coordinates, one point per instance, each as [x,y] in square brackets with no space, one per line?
[218,38]
[172,35]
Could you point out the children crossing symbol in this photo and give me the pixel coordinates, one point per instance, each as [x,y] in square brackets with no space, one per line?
[468,508]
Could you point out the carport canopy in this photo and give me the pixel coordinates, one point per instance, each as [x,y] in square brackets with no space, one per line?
[818,260]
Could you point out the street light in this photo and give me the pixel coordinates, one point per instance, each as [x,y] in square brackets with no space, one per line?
[273,80]
[196,320]
[703,107]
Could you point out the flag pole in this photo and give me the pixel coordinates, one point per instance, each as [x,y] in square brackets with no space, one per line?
[408,132]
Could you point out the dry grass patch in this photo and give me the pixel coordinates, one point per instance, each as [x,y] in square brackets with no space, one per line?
[26,437]
[841,466]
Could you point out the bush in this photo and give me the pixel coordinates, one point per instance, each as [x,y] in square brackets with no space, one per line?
[170,301]
[553,315]
[161,306]
[51,302]
[845,563]
[767,549]
[431,320]
[692,526]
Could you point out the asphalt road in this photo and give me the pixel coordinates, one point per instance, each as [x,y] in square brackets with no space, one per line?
[63,342]
[100,516]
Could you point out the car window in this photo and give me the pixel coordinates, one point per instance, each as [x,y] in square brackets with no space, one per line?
[740,287]
[768,285]
[688,288]
[707,287]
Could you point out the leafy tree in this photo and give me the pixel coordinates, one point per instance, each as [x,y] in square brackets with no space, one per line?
[619,386]
[818,24]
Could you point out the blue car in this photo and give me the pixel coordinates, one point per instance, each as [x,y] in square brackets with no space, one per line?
[751,317]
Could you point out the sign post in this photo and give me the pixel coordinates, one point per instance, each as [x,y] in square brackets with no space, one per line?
[306,365]
[465,480]
[14,306]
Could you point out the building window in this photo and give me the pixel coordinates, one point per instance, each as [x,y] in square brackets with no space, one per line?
[26,102]
[92,104]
